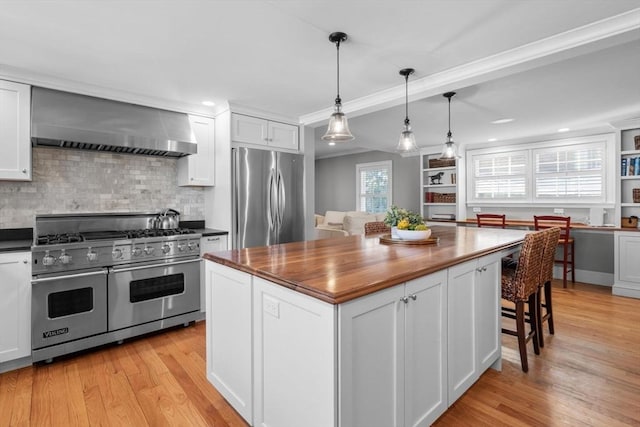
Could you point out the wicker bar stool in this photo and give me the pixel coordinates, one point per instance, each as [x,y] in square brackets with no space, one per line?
[520,286]
[491,220]
[546,275]
[376,227]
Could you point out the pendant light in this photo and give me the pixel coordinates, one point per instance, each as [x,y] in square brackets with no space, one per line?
[407,142]
[338,130]
[449,151]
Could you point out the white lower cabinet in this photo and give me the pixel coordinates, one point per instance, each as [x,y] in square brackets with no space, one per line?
[294,358]
[627,267]
[473,321]
[15,305]
[392,360]
[229,336]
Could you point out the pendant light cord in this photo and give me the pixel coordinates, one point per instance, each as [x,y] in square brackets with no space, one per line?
[406,100]
[449,133]
[338,100]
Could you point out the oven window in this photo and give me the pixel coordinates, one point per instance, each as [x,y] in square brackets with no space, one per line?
[70,302]
[156,287]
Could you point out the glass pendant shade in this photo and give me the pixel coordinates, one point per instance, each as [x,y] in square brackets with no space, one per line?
[449,151]
[338,129]
[407,141]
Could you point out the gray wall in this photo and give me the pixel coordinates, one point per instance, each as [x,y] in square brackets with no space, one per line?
[66,180]
[335,185]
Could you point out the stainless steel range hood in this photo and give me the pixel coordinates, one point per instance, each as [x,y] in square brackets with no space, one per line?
[68,120]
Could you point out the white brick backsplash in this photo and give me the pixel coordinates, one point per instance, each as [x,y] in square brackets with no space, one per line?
[76,181]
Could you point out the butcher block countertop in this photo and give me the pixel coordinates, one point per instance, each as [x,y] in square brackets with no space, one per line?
[341,269]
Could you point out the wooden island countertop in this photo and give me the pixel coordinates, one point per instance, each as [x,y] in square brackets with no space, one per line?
[341,269]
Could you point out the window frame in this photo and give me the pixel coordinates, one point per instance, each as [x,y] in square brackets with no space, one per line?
[608,174]
[388,165]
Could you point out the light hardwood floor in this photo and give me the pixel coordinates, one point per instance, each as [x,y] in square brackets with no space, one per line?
[587,374]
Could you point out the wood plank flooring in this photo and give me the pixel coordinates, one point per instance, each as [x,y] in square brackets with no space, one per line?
[588,374]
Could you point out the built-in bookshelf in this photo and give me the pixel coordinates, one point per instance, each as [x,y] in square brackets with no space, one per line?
[629,173]
[439,186]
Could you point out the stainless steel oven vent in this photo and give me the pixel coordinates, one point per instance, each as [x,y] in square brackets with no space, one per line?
[68,120]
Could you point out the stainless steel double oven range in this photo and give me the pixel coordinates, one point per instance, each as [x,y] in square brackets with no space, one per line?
[100,278]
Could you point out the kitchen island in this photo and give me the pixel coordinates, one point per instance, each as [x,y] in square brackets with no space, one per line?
[352,332]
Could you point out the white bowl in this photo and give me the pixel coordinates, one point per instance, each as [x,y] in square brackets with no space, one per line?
[414,234]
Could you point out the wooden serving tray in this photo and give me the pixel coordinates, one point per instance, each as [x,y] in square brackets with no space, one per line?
[388,240]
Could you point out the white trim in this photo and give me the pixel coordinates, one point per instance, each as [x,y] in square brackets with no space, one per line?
[625,291]
[615,29]
[387,164]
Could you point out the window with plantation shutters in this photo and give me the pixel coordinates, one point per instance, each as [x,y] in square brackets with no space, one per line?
[373,186]
[500,176]
[570,173]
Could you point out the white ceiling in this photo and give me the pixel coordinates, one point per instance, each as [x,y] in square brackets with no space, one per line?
[546,63]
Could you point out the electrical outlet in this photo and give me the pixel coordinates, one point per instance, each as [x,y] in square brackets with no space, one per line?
[271,306]
[476,210]
[558,211]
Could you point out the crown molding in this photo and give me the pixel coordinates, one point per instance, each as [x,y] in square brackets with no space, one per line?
[587,38]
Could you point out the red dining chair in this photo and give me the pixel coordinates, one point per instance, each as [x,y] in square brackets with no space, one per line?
[566,242]
[491,220]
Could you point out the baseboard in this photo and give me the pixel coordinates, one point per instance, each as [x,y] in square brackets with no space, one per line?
[625,291]
[15,364]
[586,276]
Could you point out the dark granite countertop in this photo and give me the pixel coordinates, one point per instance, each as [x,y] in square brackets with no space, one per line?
[16,239]
[198,227]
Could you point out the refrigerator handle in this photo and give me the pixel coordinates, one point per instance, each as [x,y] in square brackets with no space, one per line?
[281,199]
[270,205]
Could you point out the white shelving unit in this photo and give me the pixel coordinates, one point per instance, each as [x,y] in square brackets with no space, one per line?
[439,188]
[627,183]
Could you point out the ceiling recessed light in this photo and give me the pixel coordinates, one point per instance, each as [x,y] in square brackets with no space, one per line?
[332,143]
[491,139]
[501,121]
[208,103]
[564,130]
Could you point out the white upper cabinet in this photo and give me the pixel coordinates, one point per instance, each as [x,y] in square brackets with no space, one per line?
[15,135]
[199,169]
[253,130]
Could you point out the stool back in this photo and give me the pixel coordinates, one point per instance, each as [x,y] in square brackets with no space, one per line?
[547,221]
[491,220]
[552,236]
[376,227]
[525,280]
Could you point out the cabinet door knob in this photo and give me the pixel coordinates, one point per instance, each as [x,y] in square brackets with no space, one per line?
[24,171]
[413,297]
[25,261]
[404,300]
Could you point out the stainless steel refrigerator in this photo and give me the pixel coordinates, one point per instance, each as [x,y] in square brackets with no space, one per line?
[267,197]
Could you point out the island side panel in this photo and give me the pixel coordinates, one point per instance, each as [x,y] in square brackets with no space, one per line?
[229,336]
[295,380]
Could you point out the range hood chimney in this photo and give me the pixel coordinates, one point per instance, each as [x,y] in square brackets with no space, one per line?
[68,120]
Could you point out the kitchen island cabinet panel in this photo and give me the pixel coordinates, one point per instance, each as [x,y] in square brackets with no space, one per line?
[294,358]
[229,336]
[15,131]
[15,306]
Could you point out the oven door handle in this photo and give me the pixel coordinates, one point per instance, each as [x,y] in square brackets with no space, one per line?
[142,267]
[69,276]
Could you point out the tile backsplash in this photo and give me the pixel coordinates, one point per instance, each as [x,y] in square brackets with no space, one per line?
[77,181]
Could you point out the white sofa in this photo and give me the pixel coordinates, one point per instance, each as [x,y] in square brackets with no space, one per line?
[338,223]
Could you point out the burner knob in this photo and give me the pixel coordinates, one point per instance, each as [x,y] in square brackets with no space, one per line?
[182,247]
[166,248]
[136,251]
[64,258]
[48,260]
[192,246]
[149,250]
[117,253]
[92,256]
